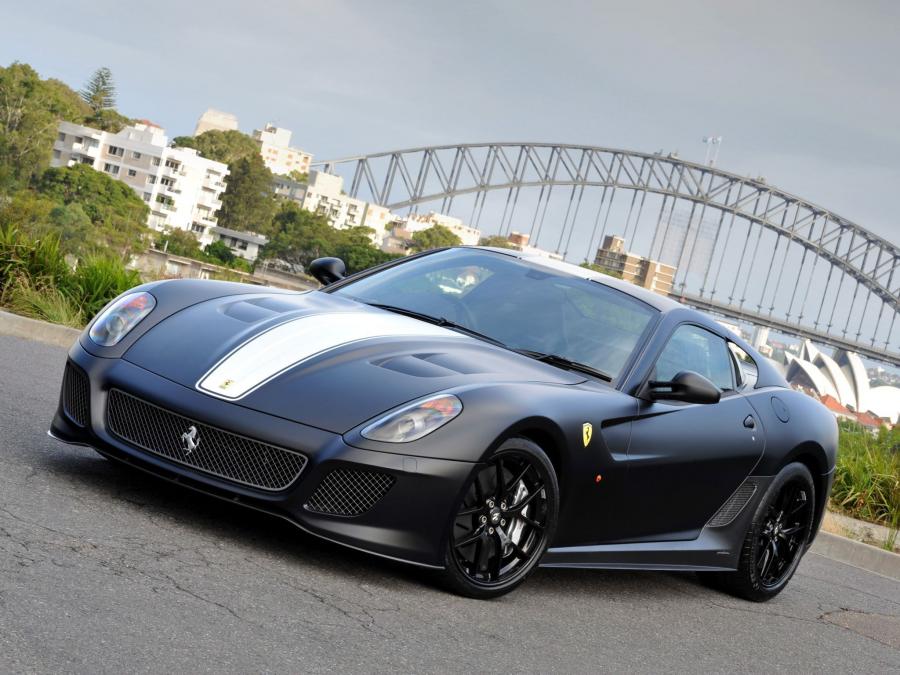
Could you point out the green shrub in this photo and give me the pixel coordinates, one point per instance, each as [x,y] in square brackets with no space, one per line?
[98,280]
[47,304]
[867,477]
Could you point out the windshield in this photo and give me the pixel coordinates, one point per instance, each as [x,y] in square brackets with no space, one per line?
[523,306]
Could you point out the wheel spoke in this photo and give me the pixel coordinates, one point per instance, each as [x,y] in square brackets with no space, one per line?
[498,490]
[525,502]
[518,550]
[470,511]
[791,530]
[767,563]
[528,521]
[496,561]
[475,536]
[516,480]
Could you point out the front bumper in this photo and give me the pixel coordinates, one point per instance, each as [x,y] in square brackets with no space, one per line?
[409,523]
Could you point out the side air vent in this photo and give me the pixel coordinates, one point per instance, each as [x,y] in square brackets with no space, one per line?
[346,492]
[735,504]
[76,395]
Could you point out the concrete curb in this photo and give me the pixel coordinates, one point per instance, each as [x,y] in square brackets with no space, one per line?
[41,331]
[857,554]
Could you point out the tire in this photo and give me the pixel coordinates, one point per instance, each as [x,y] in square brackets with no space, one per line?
[761,576]
[498,536]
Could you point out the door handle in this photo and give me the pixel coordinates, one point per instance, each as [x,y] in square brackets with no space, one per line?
[749,422]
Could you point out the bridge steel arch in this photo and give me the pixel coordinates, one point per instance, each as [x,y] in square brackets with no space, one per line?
[406,178]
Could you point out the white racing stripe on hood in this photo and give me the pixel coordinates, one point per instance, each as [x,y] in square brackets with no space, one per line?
[266,355]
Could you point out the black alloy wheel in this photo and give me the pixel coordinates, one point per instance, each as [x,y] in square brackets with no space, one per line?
[505,520]
[776,539]
[784,533]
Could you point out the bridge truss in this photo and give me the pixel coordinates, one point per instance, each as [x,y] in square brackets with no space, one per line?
[741,248]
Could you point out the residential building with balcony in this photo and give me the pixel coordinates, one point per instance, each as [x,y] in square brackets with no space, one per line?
[323,193]
[650,274]
[276,151]
[181,188]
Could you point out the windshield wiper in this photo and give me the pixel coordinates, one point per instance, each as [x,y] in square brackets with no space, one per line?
[438,321]
[563,362]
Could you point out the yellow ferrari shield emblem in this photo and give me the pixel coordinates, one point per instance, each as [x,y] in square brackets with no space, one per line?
[587,430]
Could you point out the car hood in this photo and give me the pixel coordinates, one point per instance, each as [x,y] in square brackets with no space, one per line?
[320,359]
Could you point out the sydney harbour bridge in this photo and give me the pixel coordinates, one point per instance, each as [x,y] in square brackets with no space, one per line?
[741,248]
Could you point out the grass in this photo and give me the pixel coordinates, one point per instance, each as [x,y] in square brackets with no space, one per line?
[867,477]
[36,280]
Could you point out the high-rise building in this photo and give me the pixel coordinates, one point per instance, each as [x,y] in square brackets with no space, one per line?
[650,274]
[216,120]
[277,153]
[182,189]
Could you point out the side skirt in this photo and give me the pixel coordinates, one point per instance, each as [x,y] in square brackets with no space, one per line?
[717,548]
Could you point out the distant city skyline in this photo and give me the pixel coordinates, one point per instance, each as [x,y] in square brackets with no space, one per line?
[803,94]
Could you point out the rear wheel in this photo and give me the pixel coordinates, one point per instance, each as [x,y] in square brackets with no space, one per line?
[776,539]
[504,521]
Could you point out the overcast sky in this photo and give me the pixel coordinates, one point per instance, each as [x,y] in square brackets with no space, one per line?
[805,93]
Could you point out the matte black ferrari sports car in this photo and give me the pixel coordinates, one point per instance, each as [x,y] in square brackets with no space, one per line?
[475,411]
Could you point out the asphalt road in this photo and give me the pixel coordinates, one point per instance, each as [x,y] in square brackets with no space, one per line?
[103,569]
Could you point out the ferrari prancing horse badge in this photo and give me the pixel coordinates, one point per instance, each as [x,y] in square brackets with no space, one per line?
[587,429]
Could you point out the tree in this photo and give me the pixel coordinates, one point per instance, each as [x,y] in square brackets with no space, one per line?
[30,111]
[117,214]
[299,237]
[603,270]
[179,242]
[220,251]
[248,203]
[220,146]
[299,176]
[436,236]
[100,92]
[497,241]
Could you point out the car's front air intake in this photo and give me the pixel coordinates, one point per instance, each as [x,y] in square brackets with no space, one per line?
[347,492]
[199,446]
[76,395]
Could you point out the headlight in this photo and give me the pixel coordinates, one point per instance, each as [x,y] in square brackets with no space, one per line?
[414,421]
[117,320]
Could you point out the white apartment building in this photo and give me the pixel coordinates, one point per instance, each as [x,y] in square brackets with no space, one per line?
[279,157]
[216,120]
[323,194]
[182,189]
[469,236]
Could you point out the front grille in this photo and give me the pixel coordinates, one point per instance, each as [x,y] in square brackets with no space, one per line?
[735,504]
[76,395]
[217,452]
[347,492]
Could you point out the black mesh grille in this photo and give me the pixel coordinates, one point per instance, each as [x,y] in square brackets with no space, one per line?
[217,452]
[76,395]
[346,492]
[735,504]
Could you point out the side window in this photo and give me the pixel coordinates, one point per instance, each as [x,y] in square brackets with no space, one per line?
[746,367]
[697,349]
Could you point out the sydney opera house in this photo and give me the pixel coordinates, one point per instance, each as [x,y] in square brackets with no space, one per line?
[841,378]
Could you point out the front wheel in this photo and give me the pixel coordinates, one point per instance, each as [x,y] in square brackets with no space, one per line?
[504,521]
[776,539]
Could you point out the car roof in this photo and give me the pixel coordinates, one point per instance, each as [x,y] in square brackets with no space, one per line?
[655,300]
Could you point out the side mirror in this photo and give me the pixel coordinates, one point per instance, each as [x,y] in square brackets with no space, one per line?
[328,270]
[686,386]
